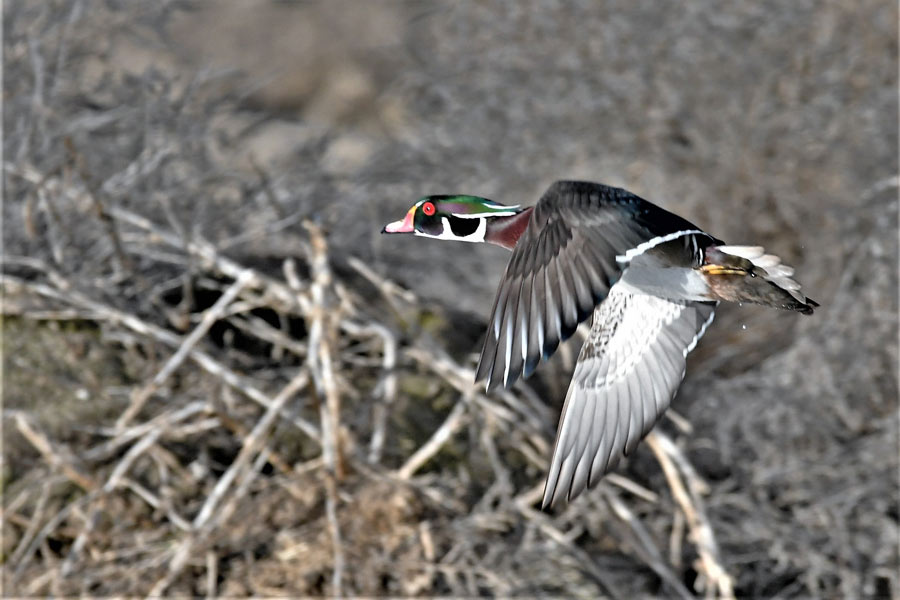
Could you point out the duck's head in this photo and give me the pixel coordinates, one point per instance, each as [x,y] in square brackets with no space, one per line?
[463,218]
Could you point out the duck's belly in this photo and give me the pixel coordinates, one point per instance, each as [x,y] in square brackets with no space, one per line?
[673,283]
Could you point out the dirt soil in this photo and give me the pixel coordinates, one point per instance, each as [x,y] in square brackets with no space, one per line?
[220,379]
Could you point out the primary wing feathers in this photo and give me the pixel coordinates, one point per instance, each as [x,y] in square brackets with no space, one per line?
[626,376]
[561,268]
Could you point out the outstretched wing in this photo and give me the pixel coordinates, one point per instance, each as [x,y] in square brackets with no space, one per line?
[563,266]
[627,374]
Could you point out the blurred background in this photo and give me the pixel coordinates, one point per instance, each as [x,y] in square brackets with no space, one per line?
[220,379]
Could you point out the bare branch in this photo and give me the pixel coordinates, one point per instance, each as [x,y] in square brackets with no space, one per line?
[210,316]
[59,459]
[720,583]
[321,334]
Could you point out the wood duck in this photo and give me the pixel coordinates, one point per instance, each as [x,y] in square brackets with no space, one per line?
[652,281]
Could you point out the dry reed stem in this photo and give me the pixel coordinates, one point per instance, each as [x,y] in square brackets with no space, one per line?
[251,444]
[716,581]
[453,423]
[547,527]
[386,390]
[33,524]
[645,546]
[61,459]
[321,335]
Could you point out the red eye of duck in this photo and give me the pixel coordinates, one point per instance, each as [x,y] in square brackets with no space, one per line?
[428,208]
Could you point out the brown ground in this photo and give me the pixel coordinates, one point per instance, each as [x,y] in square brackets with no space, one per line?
[225,168]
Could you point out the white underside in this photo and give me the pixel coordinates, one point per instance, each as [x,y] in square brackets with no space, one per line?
[672,283]
[646,274]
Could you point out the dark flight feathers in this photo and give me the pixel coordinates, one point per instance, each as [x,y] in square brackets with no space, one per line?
[561,268]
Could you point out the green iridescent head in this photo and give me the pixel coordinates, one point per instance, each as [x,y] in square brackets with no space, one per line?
[451,217]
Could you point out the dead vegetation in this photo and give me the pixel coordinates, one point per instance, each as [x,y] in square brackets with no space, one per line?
[210,388]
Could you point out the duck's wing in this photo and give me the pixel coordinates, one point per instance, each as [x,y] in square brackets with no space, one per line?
[580,238]
[627,374]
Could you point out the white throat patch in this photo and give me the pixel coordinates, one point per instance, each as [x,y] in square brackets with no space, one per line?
[447,233]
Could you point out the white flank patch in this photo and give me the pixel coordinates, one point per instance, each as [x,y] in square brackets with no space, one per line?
[644,246]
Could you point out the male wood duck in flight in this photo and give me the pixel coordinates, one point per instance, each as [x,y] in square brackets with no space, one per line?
[652,281]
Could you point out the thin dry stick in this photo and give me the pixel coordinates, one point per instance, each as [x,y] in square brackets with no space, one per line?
[50,454]
[387,386]
[282,295]
[154,501]
[675,539]
[111,484]
[261,329]
[68,565]
[645,546]
[132,455]
[51,526]
[630,486]
[454,421]
[148,161]
[240,490]
[123,261]
[463,380]
[251,445]
[321,332]
[545,524]
[180,556]
[71,314]
[389,289]
[237,428]
[53,236]
[709,564]
[210,316]
[163,421]
[212,562]
[37,515]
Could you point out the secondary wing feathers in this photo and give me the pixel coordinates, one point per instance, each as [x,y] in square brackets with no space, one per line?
[563,266]
[626,376]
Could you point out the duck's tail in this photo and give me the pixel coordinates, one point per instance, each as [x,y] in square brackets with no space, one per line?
[748,274]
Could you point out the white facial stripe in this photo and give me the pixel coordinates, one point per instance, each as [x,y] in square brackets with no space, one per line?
[513,210]
[447,233]
[643,247]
